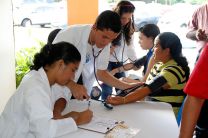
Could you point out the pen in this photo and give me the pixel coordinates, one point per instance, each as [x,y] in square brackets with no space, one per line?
[89,104]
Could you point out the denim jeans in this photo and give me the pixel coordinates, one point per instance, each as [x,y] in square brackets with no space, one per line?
[106,89]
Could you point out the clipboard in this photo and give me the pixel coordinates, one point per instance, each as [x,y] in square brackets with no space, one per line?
[100,125]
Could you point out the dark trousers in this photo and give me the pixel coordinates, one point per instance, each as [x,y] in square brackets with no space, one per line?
[106,89]
[201,130]
[200,133]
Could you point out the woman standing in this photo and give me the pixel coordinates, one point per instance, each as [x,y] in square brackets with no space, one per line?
[122,48]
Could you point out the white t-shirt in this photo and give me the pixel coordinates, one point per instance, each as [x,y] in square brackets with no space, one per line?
[124,52]
[29,112]
[78,36]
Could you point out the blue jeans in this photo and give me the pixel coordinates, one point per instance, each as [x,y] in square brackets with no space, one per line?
[106,89]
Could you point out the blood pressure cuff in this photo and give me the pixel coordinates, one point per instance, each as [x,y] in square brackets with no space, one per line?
[156,84]
[140,62]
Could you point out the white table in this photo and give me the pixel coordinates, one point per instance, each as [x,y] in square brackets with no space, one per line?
[154,119]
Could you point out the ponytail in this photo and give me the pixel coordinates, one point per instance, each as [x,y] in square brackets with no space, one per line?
[181,61]
[51,53]
[41,59]
[172,41]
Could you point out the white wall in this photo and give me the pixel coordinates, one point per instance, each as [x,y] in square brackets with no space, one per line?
[7,53]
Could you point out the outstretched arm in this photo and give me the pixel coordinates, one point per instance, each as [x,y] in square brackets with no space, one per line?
[123,68]
[134,65]
[141,92]
[131,97]
[106,77]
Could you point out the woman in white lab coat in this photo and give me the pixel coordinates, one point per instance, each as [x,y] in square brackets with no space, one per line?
[29,112]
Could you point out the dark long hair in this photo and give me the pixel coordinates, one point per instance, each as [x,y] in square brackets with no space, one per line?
[51,53]
[172,41]
[128,30]
[53,35]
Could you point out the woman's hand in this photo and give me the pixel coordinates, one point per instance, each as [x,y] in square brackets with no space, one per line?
[79,117]
[115,100]
[72,114]
[84,117]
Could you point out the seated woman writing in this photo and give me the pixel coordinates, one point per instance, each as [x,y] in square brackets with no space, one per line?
[30,112]
[167,78]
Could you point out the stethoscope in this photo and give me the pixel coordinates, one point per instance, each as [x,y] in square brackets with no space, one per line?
[94,61]
[108,106]
[122,57]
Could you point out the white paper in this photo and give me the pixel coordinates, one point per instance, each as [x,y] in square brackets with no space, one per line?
[100,124]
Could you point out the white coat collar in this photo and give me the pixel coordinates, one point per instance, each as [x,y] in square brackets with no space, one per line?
[44,76]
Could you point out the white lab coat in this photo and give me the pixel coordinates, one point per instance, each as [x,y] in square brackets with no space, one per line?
[124,52]
[29,112]
[79,35]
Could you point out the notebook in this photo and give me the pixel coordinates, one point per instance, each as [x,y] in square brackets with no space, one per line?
[100,124]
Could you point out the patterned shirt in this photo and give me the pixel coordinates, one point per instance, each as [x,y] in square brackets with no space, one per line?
[176,79]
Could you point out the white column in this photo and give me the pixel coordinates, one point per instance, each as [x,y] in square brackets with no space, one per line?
[7,53]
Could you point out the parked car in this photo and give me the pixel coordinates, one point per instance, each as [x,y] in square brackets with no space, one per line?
[176,21]
[143,15]
[35,14]
[177,18]
[144,18]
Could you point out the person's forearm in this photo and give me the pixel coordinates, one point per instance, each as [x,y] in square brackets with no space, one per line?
[109,79]
[125,67]
[71,84]
[59,106]
[149,67]
[192,35]
[137,95]
[191,111]
[78,91]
